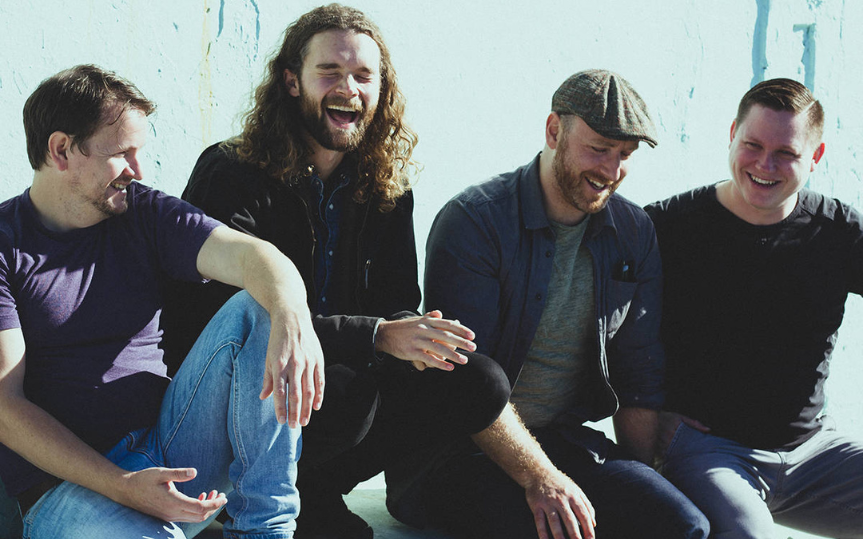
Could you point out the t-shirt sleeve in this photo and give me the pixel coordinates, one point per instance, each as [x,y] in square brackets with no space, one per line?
[177,231]
[8,309]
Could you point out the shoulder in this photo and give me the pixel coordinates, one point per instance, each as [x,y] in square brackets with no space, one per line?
[824,209]
[495,194]
[219,172]
[683,205]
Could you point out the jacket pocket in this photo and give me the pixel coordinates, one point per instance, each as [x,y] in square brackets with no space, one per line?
[618,298]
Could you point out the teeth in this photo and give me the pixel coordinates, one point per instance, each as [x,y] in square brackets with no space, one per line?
[596,184]
[342,108]
[762,181]
[118,185]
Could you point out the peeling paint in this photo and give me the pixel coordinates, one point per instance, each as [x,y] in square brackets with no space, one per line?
[759,42]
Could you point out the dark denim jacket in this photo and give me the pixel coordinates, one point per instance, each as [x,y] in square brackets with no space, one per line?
[488,262]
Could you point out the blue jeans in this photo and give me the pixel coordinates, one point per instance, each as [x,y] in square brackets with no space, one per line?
[471,497]
[212,420]
[815,487]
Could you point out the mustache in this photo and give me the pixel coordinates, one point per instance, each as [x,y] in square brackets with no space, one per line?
[355,104]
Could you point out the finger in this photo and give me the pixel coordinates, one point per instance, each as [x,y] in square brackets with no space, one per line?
[434,314]
[430,359]
[586,515]
[266,387]
[556,527]
[571,523]
[280,397]
[308,396]
[539,521]
[448,338]
[453,326]
[320,383]
[178,475]
[294,388]
[444,352]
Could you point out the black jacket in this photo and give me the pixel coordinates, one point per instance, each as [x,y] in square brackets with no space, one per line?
[380,282]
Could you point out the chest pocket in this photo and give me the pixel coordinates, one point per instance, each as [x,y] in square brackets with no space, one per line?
[618,297]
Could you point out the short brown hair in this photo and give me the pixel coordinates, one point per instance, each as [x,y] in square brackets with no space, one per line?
[784,95]
[77,101]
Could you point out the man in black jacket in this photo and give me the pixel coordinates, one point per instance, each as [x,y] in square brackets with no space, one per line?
[320,171]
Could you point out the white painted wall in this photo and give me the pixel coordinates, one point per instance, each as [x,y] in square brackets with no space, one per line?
[479,78]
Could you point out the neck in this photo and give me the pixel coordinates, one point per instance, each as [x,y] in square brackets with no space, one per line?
[325,161]
[733,201]
[557,208]
[52,205]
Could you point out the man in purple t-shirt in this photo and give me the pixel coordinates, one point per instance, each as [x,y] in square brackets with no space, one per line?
[96,440]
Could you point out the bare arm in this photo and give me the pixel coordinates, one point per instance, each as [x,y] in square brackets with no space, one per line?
[636,430]
[38,437]
[556,501]
[295,362]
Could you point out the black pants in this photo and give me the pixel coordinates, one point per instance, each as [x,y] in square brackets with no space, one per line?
[472,498]
[371,420]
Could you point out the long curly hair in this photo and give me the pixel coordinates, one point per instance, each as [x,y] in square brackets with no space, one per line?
[272,137]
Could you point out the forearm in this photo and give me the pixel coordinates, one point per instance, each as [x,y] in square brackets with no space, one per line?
[46,443]
[636,430]
[511,446]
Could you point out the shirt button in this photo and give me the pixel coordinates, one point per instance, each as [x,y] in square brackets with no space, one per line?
[324,299]
[538,297]
[330,253]
[548,254]
[331,206]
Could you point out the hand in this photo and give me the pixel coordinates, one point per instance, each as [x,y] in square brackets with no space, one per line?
[294,369]
[152,491]
[668,424]
[559,505]
[425,341]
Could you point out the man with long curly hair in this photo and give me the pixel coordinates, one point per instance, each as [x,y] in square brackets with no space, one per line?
[320,170]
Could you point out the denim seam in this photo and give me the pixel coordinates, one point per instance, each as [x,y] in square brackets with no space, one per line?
[241,450]
[194,393]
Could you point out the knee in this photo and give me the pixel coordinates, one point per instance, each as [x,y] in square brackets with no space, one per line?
[489,390]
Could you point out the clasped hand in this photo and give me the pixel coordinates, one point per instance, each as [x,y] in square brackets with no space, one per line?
[426,341]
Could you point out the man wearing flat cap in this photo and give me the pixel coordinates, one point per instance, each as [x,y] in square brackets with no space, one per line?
[560,279]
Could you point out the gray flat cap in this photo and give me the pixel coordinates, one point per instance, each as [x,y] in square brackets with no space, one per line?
[606,103]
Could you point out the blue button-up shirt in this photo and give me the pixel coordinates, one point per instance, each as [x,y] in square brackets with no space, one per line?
[488,263]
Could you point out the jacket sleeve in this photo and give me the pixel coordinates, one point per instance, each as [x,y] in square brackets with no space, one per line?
[635,355]
[461,271]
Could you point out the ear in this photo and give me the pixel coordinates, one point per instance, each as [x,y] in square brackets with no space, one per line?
[292,83]
[552,130]
[59,146]
[733,131]
[819,153]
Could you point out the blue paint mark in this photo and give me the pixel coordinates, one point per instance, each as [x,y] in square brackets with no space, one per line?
[759,42]
[808,59]
[176,27]
[691,92]
[221,18]
[257,25]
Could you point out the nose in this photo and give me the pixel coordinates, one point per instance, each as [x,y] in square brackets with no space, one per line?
[348,86]
[766,162]
[612,167]
[133,167]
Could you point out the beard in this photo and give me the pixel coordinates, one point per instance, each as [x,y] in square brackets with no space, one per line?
[314,116]
[98,201]
[573,185]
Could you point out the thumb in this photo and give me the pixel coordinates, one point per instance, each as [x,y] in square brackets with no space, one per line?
[179,475]
[435,314]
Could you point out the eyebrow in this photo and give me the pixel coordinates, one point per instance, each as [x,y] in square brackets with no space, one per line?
[332,65]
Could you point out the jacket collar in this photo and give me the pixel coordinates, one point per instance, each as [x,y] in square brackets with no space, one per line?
[530,193]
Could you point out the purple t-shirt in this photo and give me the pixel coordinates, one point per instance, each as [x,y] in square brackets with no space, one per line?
[88,302]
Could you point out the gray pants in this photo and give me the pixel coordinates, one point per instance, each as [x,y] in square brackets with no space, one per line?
[816,487]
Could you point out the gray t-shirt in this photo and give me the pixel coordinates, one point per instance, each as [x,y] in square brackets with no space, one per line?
[555,376]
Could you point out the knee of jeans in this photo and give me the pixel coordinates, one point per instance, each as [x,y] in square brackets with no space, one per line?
[698,525]
[489,386]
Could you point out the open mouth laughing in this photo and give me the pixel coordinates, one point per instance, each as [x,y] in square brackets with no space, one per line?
[343,115]
[762,181]
[596,185]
